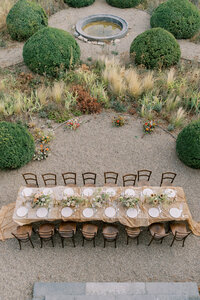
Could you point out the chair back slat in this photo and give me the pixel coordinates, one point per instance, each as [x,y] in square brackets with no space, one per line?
[144,173]
[110,176]
[129,178]
[30,179]
[168,176]
[69,178]
[89,176]
[49,179]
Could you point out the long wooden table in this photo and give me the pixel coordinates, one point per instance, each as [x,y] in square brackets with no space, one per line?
[143,219]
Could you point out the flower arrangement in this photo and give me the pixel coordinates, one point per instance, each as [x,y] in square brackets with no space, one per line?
[41,153]
[155,199]
[129,201]
[42,144]
[99,200]
[45,139]
[118,121]
[72,201]
[149,126]
[41,200]
[72,124]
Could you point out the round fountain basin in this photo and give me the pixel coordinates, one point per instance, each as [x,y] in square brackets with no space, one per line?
[102,27]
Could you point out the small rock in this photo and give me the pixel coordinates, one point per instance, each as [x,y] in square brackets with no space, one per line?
[94,42]
[117,41]
[80,37]
[76,34]
[85,40]
[73,27]
[101,43]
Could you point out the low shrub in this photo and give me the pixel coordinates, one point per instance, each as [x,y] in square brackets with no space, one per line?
[51,51]
[124,3]
[155,48]
[180,17]
[24,19]
[17,145]
[188,145]
[79,3]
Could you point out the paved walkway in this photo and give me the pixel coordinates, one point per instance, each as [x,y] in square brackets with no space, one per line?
[66,19]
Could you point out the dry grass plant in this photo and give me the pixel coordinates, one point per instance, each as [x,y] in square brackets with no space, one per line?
[178,118]
[57,91]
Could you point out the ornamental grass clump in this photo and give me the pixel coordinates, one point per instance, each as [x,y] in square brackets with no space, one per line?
[24,19]
[180,17]
[79,3]
[155,48]
[51,51]
[188,145]
[17,145]
[124,3]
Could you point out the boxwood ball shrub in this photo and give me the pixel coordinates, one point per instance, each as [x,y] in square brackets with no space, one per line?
[17,145]
[188,145]
[155,48]
[180,17]
[24,19]
[123,3]
[79,3]
[50,51]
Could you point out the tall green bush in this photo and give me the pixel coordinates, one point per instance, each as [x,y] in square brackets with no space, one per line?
[50,51]
[17,145]
[79,3]
[188,145]
[155,48]
[24,19]
[180,17]
[124,3]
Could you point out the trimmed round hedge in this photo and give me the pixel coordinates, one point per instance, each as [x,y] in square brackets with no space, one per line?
[188,145]
[180,17]
[24,19]
[17,145]
[79,3]
[50,51]
[155,48]
[123,3]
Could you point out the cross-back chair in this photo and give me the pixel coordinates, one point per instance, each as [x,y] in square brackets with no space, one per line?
[110,178]
[167,178]
[143,177]
[129,179]
[30,179]
[89,177]
[69,178]
[50,179]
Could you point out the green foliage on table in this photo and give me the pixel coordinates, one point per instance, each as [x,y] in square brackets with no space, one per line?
[157,199]
[129,201]
[123,3]
[79,3]
[17,145]
[51,51]
[24,19]
[72,201]
[155,48]
[180,17]
[41,200]
[188,145]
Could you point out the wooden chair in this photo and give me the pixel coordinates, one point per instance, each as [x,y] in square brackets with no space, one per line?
[46,233]
[49,179]
[23,235]
[30,179]
[89,176]
[67,230]
[110,234]
[129,178]
[89,233]
[180,232]
[158,232]
[110,176]
[69,179]
[132,233]
[144,174]
[169,177]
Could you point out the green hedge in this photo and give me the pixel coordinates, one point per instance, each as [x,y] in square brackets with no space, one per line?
[50,51]
[124,3]
[17,145]
[180,17]
[155,48]
[79,3]
[24,19]
[188,145]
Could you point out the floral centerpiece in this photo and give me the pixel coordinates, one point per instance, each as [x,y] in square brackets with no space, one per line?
[73,124]
[118,121]
[72,201]
[149,126]
[129,201]
[157,199]
[41,200]
[100,200]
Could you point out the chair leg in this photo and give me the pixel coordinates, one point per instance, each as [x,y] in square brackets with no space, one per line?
[41,241]
[83,242]
[52,241]
[73,240]
[104,244]
[31,242]
[183,242]
[62,241]
[115,243]
[20,245]
[94,241]
[138,240]
[151,241]
[127,240]
[161,240]
[172,241]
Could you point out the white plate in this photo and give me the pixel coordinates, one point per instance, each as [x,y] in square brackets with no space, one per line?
[147,192]
[47,191]
[27,192]
[154,212]
[129,192]
[41,212]
[87,192]
[66,212]
[175,212]
[132,212]
[170,193]
[69,192]
[22,211]
[110,191]
[88,212]
[110,212]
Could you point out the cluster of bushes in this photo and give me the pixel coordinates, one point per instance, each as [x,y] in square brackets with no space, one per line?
[124,3]
[79,3]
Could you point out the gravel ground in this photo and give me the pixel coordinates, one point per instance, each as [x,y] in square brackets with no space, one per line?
[97,146]
[66,19]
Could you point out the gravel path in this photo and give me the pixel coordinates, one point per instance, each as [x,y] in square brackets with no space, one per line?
[138,21]
[97,146]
